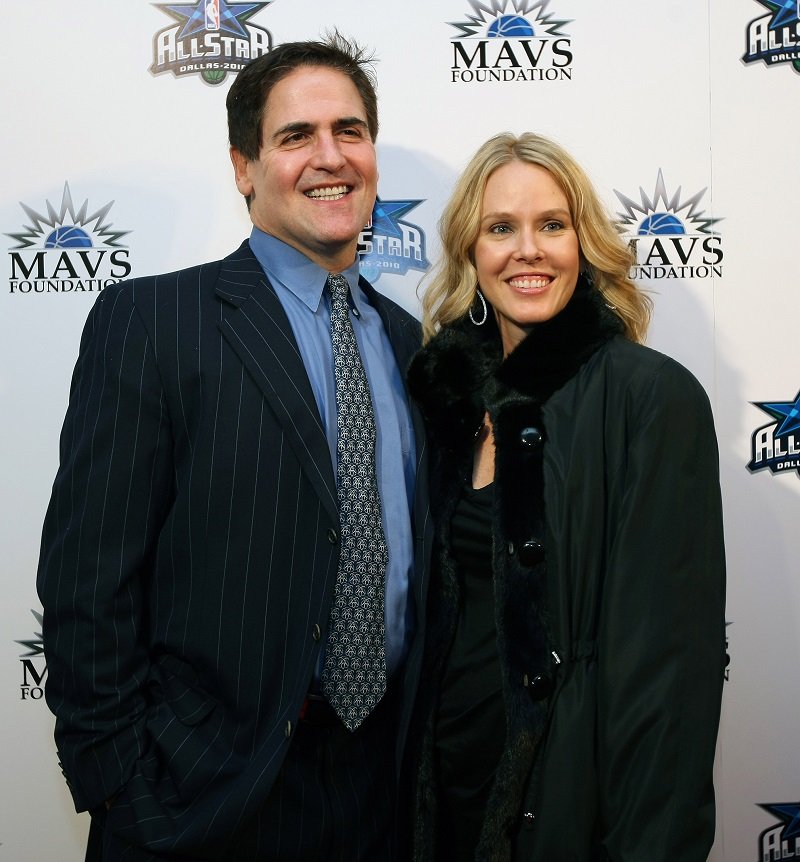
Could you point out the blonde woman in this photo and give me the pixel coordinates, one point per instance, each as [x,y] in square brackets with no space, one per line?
[576,616]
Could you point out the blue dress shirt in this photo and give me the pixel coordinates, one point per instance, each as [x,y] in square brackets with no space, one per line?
[299,284]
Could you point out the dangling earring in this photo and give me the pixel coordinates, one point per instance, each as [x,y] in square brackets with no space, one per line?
[590,282]
[485,310]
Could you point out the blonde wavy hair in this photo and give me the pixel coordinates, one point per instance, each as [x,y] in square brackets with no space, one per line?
[606,258]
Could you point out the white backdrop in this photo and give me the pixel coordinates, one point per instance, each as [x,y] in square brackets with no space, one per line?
[682,136]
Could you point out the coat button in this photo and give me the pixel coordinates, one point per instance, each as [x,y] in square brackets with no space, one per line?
[287,732]
[530,438]
[531,553]
[527,820]
[510,549]
[333,538]
[539,686]
[316,632]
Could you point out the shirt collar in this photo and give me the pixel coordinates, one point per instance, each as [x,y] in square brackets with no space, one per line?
[293,271]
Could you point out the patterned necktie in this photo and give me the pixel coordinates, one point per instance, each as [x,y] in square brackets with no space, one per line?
[354,676]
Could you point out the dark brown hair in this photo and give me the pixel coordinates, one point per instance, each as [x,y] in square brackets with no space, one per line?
[248,95]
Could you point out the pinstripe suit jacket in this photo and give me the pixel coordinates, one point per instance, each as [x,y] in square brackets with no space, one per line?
[189,551]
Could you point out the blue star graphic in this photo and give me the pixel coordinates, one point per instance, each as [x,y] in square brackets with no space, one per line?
[789,813]
[788,411]
[193,16]
[785,12]
[386,214]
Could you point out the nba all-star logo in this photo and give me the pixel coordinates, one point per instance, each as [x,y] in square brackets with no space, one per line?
[67,249]
[210,39]
[781,841]
[671,234]
[32,664]
[775,38]
[390,244]
[510,40]
[777,445]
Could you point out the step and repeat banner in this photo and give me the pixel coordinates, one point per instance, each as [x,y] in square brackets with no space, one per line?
[684,113]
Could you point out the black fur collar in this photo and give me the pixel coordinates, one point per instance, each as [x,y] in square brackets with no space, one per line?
[461,370]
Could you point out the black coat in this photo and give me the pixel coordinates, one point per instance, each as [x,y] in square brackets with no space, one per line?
[609,575]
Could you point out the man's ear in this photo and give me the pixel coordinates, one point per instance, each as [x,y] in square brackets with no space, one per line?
[241,172]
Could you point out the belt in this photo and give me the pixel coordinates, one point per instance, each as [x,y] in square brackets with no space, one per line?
[317,712]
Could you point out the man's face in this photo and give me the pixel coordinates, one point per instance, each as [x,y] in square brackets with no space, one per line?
[314,183]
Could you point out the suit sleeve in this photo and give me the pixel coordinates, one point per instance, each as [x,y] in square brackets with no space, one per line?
[661,648]
[109,501]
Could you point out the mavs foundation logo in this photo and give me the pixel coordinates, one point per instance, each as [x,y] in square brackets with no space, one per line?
[671,235]
[510,40]
[775,38]
[32,663]
[210,39]
[782,841]
[390,244]
[67,249]
[777,445]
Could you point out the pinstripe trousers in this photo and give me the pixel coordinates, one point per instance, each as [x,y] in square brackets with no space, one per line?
[334,800]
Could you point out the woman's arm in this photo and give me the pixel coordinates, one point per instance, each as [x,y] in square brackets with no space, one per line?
[661,640]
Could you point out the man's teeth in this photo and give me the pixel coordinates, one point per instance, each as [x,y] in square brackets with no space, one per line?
[526,283]
[332,194]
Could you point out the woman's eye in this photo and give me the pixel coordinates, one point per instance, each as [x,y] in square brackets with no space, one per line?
[499,228]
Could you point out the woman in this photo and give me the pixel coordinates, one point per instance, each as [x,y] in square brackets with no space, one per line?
[576,618]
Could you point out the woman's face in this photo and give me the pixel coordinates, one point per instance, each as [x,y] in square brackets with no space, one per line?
[527,252]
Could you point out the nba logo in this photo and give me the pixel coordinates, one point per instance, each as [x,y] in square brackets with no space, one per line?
[212,14]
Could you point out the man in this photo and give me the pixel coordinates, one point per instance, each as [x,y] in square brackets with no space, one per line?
[191,550]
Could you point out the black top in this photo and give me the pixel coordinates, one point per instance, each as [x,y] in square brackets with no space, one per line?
[470,722]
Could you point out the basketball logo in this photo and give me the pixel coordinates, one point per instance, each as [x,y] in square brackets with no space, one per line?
[661,224]
[213,76]
[511,27]
[68,236]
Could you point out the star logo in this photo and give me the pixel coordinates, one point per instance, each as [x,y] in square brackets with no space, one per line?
[34,646]
[664,213]
[789,813]
[391,244]
[68,226]
[773,38]
[509,19]
[785,12]
[387,214]
[786,412]
[209,38]
[230,17]
[777,444]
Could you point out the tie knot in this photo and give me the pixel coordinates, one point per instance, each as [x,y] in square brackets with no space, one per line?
[337,285]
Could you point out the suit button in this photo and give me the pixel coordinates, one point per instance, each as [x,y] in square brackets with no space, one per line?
[333,538]
[528,819]
[511,549]
[540,686]
[316,632]
[287,732]
[530,438]
[531,553]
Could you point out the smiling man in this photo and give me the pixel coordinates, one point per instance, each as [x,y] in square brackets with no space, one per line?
[233,558]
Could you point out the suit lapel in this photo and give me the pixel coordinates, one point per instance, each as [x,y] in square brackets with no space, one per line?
[255,325]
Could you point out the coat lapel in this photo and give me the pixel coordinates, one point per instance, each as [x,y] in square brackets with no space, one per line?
[255,325]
